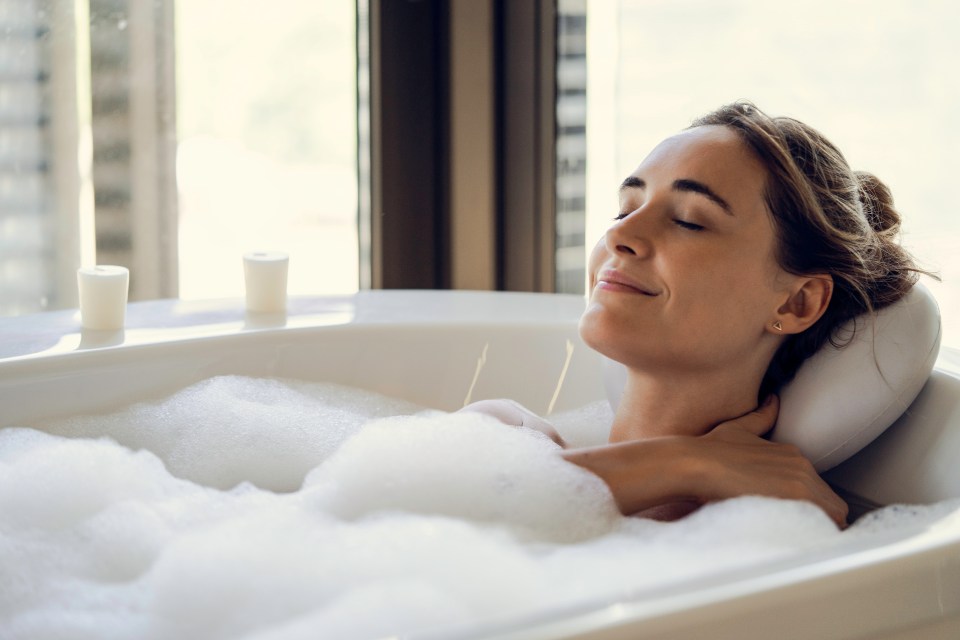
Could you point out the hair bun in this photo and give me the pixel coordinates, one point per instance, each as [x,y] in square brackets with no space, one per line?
[878,204]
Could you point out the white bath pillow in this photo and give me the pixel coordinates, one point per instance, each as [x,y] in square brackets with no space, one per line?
[841,399]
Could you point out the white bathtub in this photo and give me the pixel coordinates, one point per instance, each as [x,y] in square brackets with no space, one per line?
[907,586]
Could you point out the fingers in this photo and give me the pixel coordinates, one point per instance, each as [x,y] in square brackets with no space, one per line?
[739,462]
[760,420]
[794,477]
[834,506]
[799,481]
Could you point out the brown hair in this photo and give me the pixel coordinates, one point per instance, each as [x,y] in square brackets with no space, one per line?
[828,219]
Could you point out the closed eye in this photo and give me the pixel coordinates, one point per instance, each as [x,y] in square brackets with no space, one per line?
[690,226]
[687,225]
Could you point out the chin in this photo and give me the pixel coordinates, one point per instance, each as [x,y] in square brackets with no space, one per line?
[621,340]
[598,333]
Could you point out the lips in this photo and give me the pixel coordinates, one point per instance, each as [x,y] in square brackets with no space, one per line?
[613,280]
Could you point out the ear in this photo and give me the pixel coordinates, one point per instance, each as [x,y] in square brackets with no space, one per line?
[807,301]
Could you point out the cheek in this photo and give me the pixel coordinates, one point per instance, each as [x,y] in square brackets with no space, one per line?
[709,287]
[728,296]
[597,257]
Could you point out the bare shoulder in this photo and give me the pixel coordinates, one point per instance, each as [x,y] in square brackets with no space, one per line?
[516,415]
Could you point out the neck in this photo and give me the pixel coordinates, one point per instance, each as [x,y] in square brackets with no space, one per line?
[682,403]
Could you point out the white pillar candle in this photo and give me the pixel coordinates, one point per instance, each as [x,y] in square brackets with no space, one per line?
[103,296]
[265,274]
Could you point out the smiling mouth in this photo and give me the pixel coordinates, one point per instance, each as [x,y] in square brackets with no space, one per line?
[613,281]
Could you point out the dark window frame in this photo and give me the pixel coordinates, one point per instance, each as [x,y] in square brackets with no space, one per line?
[405,154]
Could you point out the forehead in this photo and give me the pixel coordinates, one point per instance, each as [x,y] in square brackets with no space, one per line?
[714,155]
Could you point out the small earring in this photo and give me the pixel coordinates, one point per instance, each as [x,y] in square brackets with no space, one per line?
[778,326]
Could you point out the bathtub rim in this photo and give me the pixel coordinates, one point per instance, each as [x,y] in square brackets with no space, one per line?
[730,603]
[216,328]
[170,319]
[784,586]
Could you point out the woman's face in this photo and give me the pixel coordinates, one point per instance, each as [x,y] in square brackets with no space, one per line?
[687,277]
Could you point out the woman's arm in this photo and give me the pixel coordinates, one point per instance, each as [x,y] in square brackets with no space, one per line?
[732,460]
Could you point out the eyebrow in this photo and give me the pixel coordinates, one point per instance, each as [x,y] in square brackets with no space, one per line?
[683,184]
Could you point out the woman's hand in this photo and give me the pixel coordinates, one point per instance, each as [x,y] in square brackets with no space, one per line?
[731,460]
[513,414]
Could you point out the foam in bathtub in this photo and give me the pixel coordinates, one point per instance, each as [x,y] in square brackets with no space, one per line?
[70,480]
[416,523]
[585,426]
[231,429]
[419,464]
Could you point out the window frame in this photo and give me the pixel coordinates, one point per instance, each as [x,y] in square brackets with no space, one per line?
[418,160]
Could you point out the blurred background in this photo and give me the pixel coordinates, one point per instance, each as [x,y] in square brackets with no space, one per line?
[431,144]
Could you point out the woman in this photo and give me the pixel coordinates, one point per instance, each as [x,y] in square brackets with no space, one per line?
[741,245]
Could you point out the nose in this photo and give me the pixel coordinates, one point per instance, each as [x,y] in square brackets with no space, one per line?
[629,237]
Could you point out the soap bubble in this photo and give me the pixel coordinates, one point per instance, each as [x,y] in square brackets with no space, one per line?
[466,466]
[232,429]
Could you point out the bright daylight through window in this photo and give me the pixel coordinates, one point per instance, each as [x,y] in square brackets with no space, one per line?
[172,137]
[267,136]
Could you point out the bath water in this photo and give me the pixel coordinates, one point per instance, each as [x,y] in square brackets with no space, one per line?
[269,509]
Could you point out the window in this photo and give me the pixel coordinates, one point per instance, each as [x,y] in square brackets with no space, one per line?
[266,119]
[571,145]
[44,190]
[171,137]
[875,79]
